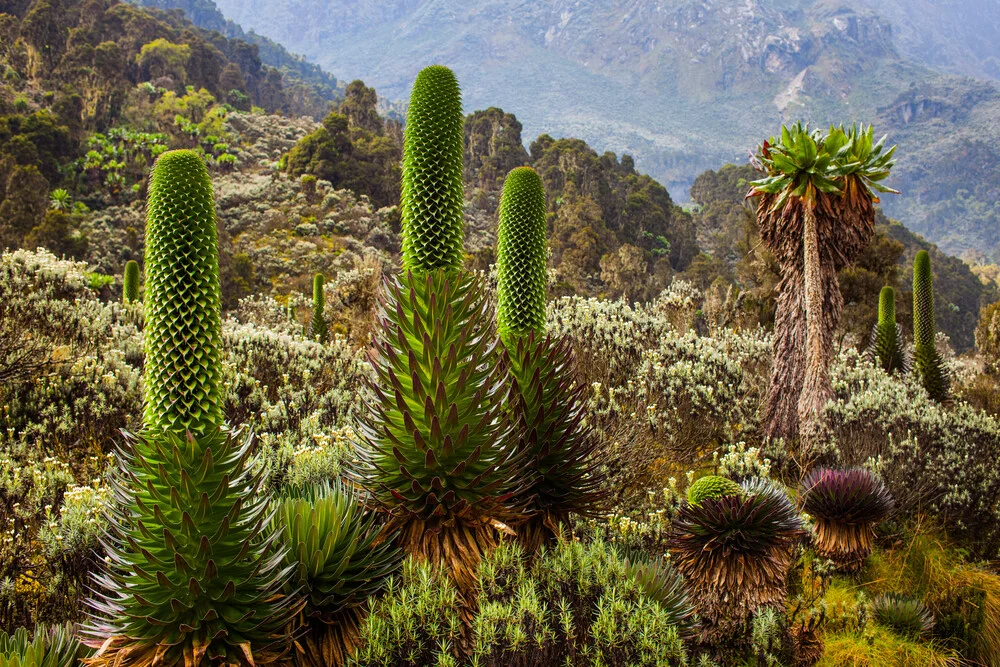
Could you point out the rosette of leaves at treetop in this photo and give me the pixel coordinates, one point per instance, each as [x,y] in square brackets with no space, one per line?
[192,578]
[341,557]
[548,405]
[55,646]
[437,450]
[735,551]
[847,505]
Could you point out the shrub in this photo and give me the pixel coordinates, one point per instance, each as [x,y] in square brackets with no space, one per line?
[575,605]
[932,459]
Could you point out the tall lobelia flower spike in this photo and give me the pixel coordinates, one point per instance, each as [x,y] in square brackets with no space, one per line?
[432,195]
[563,470]
[886,348]
[318,326]
[930,366]
[193,578]
[130,282]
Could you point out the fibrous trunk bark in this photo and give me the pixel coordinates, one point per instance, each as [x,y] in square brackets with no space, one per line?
[816,387]
[781,417]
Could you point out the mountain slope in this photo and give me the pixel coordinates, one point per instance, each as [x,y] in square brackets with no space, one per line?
[683,86]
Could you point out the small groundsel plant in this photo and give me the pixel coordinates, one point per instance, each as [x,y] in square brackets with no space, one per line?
[735,552]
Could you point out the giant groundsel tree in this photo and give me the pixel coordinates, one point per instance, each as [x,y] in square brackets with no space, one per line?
[815,206]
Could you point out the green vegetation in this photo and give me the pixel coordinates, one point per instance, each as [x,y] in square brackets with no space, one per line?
[929,364]
[575,605]
[570,477]
[130,282]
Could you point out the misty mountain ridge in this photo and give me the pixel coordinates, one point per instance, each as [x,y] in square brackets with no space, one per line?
[688,86]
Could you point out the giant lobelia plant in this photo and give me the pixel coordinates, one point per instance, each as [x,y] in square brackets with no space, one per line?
[548,404]
[192,577]
[886,348]
[437,452]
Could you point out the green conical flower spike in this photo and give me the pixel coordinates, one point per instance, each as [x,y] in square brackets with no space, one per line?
[548,408]
[432,195]
[182,335]
[437,453]
[923,300]
[319,328]
[521,255]
[193,578]
[929,364]
[130,289]
[886,348]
